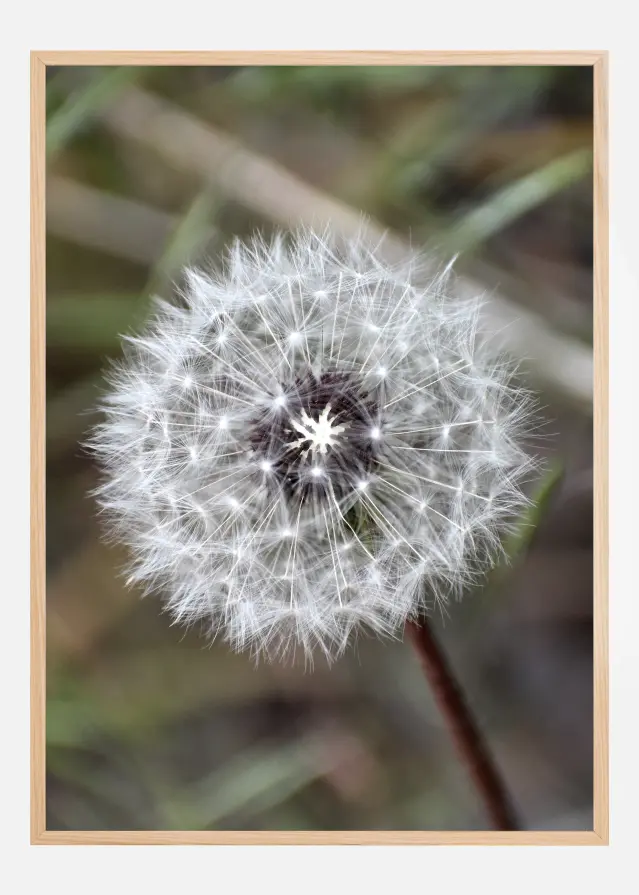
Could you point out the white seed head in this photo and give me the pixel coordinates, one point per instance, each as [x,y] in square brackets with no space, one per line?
[312,441]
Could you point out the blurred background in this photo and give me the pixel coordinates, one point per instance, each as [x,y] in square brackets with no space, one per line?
[149,727]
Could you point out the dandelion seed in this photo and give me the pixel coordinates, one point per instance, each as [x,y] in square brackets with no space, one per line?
[292,520]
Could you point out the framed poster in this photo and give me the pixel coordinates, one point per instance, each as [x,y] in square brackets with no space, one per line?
[314,334]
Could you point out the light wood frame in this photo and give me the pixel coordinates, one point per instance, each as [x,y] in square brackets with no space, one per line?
[598,60]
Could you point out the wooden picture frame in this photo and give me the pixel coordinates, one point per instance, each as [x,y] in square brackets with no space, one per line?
[39,62]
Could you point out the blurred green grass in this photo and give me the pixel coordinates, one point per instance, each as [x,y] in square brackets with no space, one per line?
[490,162]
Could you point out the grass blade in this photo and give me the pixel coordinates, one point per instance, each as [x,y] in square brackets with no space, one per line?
[515,200]
[85,102]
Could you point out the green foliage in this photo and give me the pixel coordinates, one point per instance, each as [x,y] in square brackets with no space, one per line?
[518,542]
[82,104]
[92,324]
[329,83]
[188,240]
[252,783]
[513,201]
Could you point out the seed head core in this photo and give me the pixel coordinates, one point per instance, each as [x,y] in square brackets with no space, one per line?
[321,433]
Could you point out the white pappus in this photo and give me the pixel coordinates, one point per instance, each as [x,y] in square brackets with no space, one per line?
[310,441]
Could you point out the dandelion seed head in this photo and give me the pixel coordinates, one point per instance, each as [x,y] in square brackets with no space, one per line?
[313,440]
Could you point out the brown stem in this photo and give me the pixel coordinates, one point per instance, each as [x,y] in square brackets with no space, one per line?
[463,728]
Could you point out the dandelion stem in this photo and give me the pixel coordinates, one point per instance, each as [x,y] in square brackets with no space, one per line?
[463,729]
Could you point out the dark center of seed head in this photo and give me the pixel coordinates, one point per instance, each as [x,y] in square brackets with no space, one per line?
[319,438]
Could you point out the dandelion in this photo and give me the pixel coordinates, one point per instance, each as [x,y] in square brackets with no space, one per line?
[310,442]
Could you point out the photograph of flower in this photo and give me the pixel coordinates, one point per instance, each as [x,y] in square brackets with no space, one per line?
[319,447]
